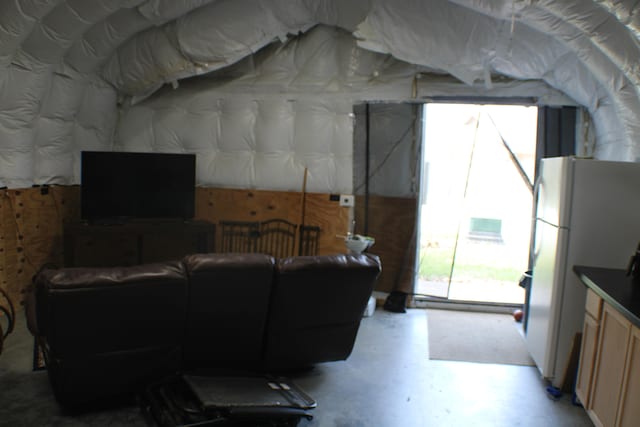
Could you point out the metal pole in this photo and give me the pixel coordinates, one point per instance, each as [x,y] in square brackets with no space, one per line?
[366,172]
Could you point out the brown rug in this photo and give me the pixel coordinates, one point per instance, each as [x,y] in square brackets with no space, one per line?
[476,337]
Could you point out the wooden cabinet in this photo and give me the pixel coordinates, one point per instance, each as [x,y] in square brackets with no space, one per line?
[608,382]
[609,369]
[629,410]
[136,242]
[587,358]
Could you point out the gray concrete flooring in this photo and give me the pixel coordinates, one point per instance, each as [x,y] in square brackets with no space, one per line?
[388,381]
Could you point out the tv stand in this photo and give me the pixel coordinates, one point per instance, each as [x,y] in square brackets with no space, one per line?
[106,222]
[112,244]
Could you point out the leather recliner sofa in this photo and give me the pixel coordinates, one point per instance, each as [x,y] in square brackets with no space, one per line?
[112,331]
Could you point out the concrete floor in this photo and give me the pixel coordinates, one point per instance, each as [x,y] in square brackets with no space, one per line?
[388,381]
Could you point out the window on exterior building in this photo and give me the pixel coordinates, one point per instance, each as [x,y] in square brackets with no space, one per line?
[485,229]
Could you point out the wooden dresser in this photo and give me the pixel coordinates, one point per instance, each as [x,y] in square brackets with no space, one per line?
[608,381]
[135,242]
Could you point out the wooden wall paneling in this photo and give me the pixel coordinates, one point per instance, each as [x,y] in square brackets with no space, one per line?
[31,233]
[333,220]
[4,282]
[33,220]
[216,204]
[391,223]
[68,202]
[40,229]
[8,250]
[14,250]
[204,203]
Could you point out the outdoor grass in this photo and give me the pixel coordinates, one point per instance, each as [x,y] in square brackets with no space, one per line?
[435,264]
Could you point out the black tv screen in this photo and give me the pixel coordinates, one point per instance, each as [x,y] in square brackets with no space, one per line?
[121,185]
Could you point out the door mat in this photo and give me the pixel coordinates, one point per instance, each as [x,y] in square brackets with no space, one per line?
[476,337]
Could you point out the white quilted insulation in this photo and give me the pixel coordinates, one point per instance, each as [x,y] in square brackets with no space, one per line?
[97,74]
[267,139]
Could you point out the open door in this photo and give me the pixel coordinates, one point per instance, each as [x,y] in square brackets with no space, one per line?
[476,202]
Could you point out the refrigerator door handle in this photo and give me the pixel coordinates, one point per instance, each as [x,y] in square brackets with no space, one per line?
[536,190]
[536,238]
[537,243]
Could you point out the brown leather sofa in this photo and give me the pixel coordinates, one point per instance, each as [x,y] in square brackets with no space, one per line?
[112,331]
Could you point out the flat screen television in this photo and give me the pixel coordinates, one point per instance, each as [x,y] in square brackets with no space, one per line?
[118,186]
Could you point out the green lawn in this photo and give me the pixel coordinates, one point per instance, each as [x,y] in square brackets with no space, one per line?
[435,264]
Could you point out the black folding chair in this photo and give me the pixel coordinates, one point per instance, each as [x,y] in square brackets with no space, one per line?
[309,235]
[239,236]
[277,238]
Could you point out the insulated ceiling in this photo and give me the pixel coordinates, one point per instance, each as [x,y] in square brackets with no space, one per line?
[68,68]
[261,122]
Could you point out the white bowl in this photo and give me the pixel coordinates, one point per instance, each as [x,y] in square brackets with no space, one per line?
[358,245]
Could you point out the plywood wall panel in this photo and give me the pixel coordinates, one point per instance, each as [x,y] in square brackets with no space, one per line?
[217,204]
[33,220]
[333,220]
[31,232]
[9,254]
[391,223]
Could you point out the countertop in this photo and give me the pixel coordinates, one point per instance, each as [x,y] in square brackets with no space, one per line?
[622,292]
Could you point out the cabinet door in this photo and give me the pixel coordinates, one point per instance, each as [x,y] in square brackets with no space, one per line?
[587,359]
[629,411]
[609,368]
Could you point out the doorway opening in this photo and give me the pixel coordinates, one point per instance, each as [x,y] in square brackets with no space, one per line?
[476,202]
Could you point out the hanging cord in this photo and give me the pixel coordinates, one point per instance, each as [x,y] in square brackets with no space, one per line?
[367,174]
[464,197]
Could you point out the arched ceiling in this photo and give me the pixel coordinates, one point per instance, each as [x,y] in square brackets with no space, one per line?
[64,62]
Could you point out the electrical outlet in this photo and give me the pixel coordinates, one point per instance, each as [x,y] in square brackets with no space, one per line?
[346,200]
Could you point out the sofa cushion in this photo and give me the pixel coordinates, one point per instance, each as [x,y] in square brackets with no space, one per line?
[316,308]
[227,309]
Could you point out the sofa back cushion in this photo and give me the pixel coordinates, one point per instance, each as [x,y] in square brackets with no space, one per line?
[227,309]
[101,310]
[316,307]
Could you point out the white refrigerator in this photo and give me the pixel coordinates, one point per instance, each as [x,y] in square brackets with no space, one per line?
[588,213]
